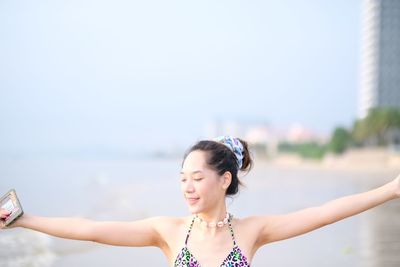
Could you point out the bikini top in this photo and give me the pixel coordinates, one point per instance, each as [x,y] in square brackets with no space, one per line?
[235,257]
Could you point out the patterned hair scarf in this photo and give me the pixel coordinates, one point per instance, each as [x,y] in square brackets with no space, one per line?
[234,145]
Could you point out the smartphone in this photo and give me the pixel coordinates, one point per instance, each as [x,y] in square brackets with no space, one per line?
[11,203]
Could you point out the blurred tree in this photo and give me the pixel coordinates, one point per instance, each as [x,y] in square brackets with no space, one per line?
[381,127]
[311,150]
[340,140]
[376,128]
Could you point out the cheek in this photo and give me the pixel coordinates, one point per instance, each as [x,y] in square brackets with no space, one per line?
[209,188]
[204,188]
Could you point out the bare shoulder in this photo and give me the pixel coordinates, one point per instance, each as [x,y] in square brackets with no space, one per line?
[258,223]
[250,222]
[258,227]
[171,228]
[161,222]
[172,231]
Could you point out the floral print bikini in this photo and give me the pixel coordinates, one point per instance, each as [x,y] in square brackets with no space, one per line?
[235,257]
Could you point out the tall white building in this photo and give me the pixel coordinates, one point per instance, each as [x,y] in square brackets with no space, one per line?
[380,58]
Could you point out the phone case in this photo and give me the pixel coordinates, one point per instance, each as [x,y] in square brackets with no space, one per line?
[11,203]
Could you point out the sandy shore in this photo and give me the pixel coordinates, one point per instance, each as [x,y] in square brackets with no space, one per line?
[361,160]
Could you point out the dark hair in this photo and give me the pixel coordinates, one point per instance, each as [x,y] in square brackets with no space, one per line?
[222,159]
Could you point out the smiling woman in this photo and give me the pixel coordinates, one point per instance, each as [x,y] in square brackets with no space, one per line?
[210,235]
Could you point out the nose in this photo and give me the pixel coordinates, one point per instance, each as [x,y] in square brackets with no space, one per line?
[188,186]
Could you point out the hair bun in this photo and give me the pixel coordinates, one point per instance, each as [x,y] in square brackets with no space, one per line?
[247,162]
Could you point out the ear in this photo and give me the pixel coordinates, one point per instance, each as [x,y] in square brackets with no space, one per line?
[227,179]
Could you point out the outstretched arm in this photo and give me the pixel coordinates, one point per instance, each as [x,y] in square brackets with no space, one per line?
[136,233]
[279,227]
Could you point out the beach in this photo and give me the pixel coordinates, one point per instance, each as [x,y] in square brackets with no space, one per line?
[141,188]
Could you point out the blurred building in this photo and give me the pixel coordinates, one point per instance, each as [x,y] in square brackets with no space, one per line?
[263,137]
[380,58]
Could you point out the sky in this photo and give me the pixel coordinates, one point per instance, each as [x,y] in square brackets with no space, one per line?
[149,75]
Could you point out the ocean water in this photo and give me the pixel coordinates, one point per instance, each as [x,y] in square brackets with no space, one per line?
[136,189]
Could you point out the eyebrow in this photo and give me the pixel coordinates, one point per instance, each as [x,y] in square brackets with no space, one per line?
[193,172]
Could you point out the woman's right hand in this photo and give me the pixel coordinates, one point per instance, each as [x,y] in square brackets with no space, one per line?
[3,216]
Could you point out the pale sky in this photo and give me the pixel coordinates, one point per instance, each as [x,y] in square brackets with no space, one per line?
[145,75]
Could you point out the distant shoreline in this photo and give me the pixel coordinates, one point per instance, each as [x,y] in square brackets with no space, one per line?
[360,160]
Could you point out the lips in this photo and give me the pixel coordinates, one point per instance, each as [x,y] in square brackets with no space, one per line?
[192,200]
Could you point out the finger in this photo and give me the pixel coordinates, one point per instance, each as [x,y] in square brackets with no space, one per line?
[5,214]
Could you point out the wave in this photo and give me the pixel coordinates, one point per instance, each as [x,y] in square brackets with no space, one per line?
[26,249]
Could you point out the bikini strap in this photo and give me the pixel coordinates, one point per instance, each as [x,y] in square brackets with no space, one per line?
[231,229]
[190,229]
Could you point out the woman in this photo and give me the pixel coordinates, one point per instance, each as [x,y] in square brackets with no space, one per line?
[210,236]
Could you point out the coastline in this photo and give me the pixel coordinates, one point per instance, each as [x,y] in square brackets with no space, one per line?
[356,160]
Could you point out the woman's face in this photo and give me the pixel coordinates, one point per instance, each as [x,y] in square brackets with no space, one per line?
[201,186]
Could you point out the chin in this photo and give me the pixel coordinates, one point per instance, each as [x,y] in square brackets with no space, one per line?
[195,209]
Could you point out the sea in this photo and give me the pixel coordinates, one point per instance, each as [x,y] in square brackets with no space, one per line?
[132,189]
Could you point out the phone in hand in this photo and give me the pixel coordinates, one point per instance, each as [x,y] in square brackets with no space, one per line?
[11,203]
